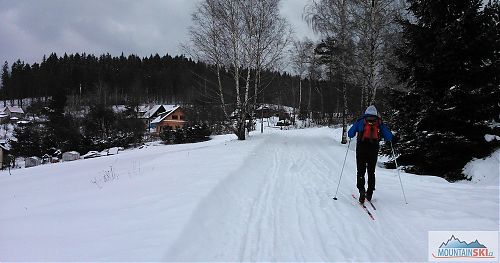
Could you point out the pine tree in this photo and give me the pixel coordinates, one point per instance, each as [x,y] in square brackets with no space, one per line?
[28,141]
[62,131]
[5,74]
[450,57]
[5,80]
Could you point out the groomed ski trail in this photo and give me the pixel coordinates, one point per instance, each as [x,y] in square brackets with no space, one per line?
[278,206]
[265,199]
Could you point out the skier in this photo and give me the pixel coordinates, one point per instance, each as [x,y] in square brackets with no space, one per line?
[369,129]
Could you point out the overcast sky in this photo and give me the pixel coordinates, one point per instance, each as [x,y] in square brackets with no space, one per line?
[31,28]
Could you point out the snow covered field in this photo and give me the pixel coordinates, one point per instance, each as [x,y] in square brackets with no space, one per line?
[268,198]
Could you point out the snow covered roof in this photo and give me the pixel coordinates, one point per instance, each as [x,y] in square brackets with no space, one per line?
[151,112]
[287,109]
[118,108]
[12,109]
[160,107]
[143,108]
[163,115]
[169,107]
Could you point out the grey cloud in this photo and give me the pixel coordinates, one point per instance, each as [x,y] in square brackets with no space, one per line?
[31,28]
[293,10]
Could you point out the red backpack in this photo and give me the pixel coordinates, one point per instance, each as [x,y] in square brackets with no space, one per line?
[371,130]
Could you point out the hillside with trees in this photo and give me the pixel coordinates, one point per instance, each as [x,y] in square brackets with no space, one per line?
[431,67]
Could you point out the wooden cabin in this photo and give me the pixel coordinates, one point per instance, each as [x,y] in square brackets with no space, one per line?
[150,114]
[172,119]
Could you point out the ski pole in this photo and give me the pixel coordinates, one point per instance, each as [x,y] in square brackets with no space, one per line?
[399,175]
[342,171]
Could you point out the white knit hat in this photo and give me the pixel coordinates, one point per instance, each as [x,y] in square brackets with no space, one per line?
[371,110]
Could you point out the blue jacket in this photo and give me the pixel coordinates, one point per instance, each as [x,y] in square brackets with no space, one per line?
[359,125]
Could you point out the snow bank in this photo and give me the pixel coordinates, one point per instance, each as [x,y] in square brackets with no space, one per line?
[484,171]
[489,137]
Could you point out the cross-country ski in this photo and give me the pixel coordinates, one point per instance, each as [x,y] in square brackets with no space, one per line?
[372,205]
[364,208]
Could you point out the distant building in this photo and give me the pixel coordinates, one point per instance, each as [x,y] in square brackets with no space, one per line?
[32,161]
[172,119]
[46,158]
[264,111]
[70,156]
[152,113]
[12,112]
[272,110]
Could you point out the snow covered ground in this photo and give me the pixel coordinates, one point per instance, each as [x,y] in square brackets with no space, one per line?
[268,198]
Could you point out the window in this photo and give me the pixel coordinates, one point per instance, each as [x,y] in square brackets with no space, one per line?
[175,117]
[182,117]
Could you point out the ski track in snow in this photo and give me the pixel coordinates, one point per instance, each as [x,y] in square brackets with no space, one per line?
[278,206]
[266,199]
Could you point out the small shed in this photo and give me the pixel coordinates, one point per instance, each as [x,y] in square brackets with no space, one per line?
[32,161]
[70,156]
[46,158]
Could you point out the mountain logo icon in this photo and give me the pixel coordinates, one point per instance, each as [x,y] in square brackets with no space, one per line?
[457,249]
[454,242]
[462,246]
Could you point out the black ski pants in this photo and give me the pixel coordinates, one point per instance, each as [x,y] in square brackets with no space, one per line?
[366,159]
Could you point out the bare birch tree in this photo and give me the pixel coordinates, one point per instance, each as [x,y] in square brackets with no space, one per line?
[374,23]
[299,58]
[243,37]
[269,34]
[306,64]
[332,19]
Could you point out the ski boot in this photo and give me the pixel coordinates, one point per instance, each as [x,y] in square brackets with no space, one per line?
[361,197]
[369,195]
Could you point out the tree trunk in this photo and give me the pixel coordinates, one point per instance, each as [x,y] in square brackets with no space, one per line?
[344,113]
[309,110]
[300,95]
[240,127]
